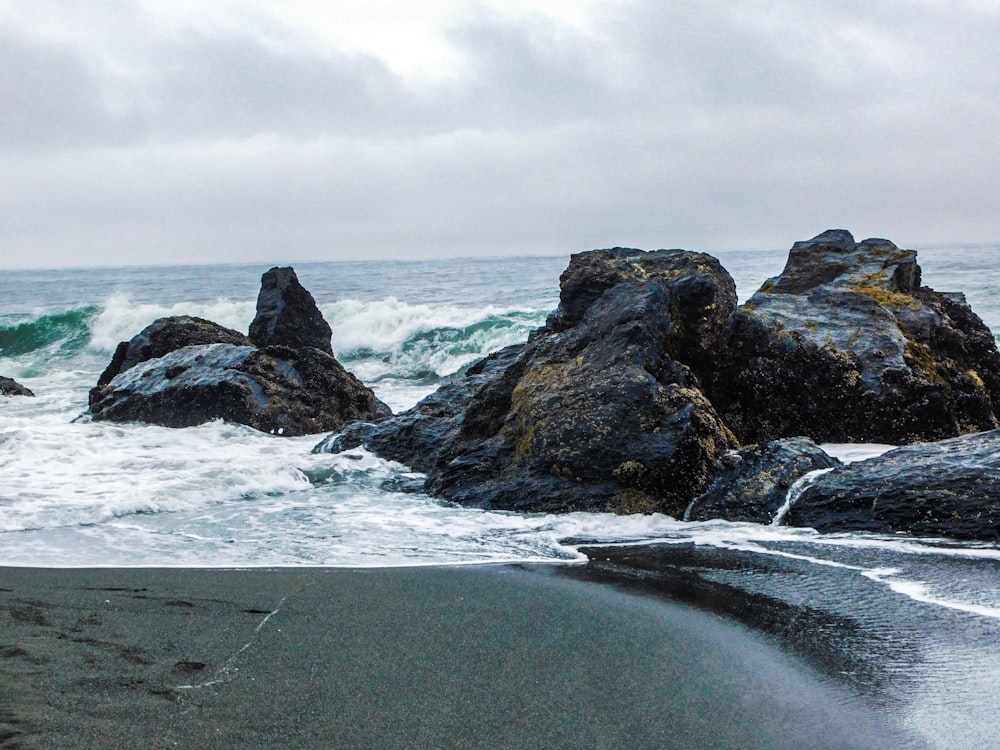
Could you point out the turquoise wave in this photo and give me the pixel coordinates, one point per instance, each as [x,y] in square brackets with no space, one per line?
[437,352]
[61,334]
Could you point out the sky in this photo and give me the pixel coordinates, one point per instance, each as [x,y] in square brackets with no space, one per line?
[197,131]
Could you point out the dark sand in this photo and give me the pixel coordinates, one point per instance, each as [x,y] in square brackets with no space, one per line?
[475,657]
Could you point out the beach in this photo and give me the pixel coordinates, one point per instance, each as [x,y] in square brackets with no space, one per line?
[423,657]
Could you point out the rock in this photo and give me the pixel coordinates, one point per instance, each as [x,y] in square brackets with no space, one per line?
[949,488]
[605,407]
[164,336]
[418,436]
[10,387]
[595,411]
[278,390]
[287,314]
[753,482]
[184,371]
[846,346]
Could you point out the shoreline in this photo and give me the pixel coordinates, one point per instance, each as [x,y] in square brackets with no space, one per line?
[473,656]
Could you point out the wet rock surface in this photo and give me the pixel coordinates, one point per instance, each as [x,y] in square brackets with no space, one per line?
[164,336]
[753,482]
[278,390]
[10,387]
[287,314]
[185,371]
[595,411]
[947,488]
[846,346]
[649,390]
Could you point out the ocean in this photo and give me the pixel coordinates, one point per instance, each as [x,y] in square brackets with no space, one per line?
[74,493]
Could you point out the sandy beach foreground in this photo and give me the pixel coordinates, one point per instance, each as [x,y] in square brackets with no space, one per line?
[472,657]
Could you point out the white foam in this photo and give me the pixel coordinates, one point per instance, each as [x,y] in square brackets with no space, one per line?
[383,325]
[851,452]
[919,591]
[120,319]
[58,474]
[798,487]
[391,337]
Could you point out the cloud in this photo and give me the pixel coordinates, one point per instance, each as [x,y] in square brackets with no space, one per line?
[699,125]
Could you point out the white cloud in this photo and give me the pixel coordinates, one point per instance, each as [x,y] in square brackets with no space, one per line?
[195,131]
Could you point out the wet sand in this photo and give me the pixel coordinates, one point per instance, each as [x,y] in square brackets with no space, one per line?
[473,657]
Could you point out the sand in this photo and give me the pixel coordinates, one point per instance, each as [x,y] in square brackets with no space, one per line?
[471,657]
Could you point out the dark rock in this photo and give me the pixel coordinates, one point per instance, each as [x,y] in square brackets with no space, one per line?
[287,314]
[603,408]
[278,390]
[845,345]
[418,436]
[184,371]
[595,411]
[949,488]
[10,387]
[753,482]
[164,336]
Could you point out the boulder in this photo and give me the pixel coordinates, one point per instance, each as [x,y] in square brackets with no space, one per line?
[596,411]
[287,314]
[10,387]
[949,488]
[278,390]
[847,346]
[184,371]
[753,483]
[164,336]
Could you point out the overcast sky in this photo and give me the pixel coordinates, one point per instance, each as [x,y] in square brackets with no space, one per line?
[260,131]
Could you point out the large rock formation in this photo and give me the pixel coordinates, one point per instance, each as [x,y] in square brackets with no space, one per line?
[846,345]
[184,371]
[10,387]
[596,411]
[628,399]
[948,488]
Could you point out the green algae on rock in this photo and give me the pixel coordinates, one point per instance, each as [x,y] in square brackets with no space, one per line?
[846,345]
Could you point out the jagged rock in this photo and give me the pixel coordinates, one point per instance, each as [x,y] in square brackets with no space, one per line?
[753,482]
[10,387]
[595,411]
[418,436]
[278,390]
[845,345]
[287,314]
[949,488]
[184,371]
[164,336]
[602,409]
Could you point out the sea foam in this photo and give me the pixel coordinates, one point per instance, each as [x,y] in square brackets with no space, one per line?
[120,319]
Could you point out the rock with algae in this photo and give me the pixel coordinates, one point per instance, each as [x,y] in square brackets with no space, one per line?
[598,410]
[846,345]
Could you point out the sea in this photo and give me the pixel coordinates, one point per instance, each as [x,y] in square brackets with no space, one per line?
[77,493]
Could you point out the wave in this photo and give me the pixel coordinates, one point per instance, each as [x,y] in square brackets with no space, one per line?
[61,334]
[389,338]
[377,339]
[120,319]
